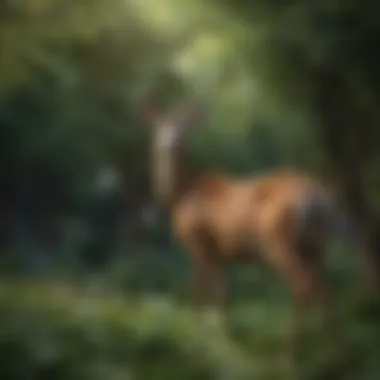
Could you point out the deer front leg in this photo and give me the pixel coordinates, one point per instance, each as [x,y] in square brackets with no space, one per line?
[204,271]
[218,286]
[216,292]
[200,285]
[209,282]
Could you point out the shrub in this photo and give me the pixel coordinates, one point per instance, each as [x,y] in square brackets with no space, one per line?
[57,332]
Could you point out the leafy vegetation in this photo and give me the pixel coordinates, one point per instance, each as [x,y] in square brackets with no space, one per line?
[81,331]
[288,83]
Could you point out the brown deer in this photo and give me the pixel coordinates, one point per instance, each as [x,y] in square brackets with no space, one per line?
[282,218]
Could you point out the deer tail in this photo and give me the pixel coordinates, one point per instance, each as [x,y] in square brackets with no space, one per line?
[320,216]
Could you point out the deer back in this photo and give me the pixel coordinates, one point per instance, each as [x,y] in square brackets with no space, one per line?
[235,214]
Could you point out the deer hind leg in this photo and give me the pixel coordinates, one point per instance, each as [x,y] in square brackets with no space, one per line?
[306,285]
[311,255]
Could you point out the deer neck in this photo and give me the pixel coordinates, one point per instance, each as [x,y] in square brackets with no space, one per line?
[183,176]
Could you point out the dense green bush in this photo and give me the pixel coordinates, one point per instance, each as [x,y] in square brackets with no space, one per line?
[51,330]
[57,332]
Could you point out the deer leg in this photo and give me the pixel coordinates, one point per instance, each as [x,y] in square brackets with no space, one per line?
[209,284]
[200,282]
[304,283]
[312,256]
[218,286]
[205,270]
[302,294]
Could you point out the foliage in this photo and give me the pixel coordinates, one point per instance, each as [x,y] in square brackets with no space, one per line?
[75,331]
[63,333]
[287,83]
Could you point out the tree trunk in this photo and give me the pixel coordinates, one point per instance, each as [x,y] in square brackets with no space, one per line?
[345,134]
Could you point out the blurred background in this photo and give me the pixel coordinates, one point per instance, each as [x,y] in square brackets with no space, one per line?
[93,285]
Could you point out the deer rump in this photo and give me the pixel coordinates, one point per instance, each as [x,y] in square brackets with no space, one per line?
[239,219]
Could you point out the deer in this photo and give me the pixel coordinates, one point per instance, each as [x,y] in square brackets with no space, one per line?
[283,218]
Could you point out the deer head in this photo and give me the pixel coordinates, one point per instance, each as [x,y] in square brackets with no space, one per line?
[169,130]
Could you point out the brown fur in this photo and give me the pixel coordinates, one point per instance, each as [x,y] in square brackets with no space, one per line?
[219,219]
